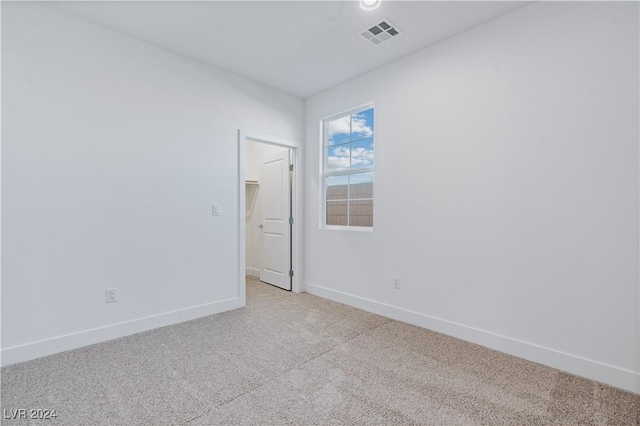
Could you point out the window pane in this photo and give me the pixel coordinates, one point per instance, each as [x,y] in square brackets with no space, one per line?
[337,187]
[362,154]
[361,212]
[338,130]
[338,157]
[362,125]
[360,186]
[337,213]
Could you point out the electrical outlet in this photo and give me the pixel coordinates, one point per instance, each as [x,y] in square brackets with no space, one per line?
[112,295]
[396,282]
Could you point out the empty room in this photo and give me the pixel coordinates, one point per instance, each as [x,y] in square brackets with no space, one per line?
[320,212]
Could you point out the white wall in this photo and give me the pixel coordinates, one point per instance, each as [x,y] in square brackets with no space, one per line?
[255,156]
[506,192]
[112,153]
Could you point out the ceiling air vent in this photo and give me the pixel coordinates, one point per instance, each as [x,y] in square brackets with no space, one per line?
[381,32]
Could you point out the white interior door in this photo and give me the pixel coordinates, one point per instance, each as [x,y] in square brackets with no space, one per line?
[276,229]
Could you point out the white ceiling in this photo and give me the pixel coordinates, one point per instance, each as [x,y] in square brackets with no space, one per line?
[301,47]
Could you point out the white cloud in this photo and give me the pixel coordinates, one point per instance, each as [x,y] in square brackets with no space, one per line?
[337,163]
[359,125]
[339,158]
[356,124]
[343,157]
[339,126]
[362,157]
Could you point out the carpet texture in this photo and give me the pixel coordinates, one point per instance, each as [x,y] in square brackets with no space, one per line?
[299,359]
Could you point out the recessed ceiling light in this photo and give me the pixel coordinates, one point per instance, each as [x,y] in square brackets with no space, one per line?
[370,4]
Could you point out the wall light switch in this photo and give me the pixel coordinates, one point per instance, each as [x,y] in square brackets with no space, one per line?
[215,209]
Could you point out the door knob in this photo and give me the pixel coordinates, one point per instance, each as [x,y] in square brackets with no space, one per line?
[260,226]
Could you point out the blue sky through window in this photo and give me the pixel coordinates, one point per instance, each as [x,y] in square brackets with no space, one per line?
[350,179]
[350,143]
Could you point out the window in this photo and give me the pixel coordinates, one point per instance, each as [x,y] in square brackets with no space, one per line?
[348,169]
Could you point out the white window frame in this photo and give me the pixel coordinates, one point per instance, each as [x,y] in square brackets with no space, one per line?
[324,173]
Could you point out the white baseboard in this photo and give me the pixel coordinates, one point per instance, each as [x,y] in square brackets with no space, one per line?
[253,272]
[67,342]
[609,374]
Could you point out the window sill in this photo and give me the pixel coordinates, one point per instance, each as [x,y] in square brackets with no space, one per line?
[347,228]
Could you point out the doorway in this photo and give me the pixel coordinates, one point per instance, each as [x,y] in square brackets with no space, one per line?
[268,200]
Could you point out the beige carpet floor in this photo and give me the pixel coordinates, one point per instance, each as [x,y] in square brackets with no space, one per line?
[299,359]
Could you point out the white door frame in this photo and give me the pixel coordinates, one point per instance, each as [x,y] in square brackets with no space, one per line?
[296,203]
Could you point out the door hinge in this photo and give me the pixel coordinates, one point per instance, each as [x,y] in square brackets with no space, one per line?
[290,221]
[291,274]
[290,167]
